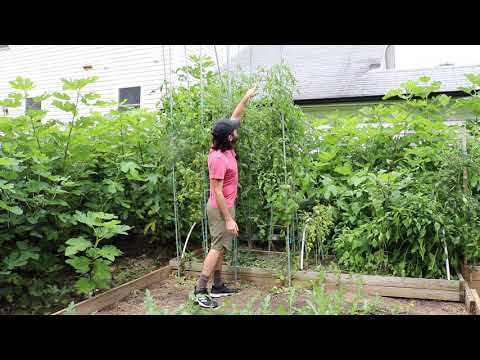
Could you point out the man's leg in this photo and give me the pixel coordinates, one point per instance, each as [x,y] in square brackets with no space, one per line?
[218,233]
[209,266]
[217,274]
[219,288]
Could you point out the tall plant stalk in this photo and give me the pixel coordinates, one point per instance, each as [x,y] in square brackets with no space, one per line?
[72,124]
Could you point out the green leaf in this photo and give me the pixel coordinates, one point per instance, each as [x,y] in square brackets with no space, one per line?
[425,79]
[69,84]
[41,98]
[344,169]
[84,285]
[110,252]
[13,209]
[129,166]
[93,252]
[473,78]
[66,106]
[80,263]
[326,156]
[101,274]
[13,100]
[76,244]
[357,180]
[21,256]
[113,187]
[8,162]
[443,99]
[102,103]
[392,93]
[21,83]
[61,96]
[91,96]
[109,230]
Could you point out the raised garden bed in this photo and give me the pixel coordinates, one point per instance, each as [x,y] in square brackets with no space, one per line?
[452,291]
[402,287]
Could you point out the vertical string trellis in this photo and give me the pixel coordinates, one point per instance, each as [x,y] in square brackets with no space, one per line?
[174,182]
[249,174]
[229,92]
[205,178]
[286,181]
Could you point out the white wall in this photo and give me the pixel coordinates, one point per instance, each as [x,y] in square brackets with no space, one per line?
[117,66]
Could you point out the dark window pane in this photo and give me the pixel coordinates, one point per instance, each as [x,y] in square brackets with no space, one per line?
[30,104]
[131,95]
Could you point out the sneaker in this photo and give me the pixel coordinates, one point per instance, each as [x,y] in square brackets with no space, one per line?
[223,290]
[203,299]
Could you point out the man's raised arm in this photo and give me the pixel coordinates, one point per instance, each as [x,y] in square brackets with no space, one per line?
[240,109]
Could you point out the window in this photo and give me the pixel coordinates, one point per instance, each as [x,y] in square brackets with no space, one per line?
[131,97]
[30,104]
[390,57]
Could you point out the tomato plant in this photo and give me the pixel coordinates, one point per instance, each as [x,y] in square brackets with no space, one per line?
[390,175]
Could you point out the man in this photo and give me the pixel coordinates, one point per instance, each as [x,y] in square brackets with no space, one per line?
[223,175]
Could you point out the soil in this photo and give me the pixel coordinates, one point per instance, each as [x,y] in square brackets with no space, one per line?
[126,269]
[174,293]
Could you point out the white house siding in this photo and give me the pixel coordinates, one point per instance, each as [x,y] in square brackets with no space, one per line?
[117,66]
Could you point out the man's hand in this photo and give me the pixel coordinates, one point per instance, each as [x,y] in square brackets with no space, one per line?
[239,110]
[251,92]
[232,227]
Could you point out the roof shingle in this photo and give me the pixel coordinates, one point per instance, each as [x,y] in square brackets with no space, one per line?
[342,71]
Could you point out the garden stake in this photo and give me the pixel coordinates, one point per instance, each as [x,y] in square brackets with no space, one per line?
[175,211]
[447,265]
[286,206]
[205,179]
[270,233]
[186,240]
[303,244]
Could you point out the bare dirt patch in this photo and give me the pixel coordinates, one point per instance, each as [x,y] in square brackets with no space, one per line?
[173,293]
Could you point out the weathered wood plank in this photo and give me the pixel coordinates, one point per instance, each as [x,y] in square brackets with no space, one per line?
[475,284]
[375,280]
[398,292]
[114,295]
[474,272]
[257,280]
[468,299]
[476,300]
[263,252]
[462,287]
[227,269]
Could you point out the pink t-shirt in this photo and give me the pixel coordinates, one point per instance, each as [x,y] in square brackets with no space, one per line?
[223,166]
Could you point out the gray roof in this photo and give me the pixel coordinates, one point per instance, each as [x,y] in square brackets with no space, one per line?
[343,71]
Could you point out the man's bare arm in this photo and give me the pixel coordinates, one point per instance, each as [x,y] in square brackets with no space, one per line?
[222,205]
[240,109]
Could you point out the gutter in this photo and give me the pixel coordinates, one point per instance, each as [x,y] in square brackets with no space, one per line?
[376,98]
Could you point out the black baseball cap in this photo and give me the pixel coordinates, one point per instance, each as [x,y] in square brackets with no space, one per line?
[224,128]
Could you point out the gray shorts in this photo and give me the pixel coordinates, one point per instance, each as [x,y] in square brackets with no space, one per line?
[221,238]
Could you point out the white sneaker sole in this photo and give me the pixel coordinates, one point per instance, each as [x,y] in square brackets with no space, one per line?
[221,295]
[205,306]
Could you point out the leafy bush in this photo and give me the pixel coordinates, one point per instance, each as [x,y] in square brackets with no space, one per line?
[391,177]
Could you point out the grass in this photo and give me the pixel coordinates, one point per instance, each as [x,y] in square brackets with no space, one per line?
[290,301]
